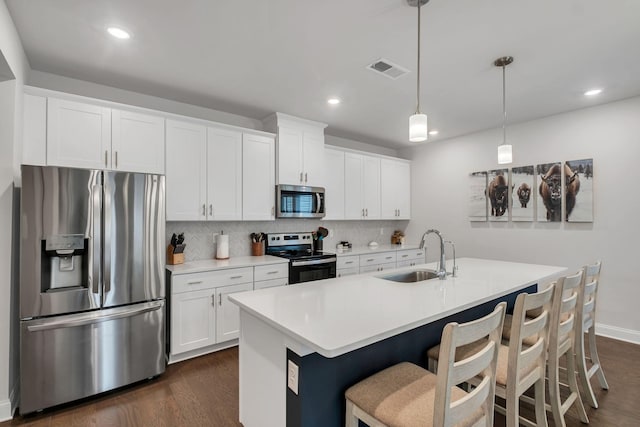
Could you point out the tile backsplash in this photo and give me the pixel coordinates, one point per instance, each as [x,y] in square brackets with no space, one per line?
[201,243]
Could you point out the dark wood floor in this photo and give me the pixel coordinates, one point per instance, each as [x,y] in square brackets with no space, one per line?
[204,392]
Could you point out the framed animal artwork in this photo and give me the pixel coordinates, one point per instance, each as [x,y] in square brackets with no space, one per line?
[523,192]
[578,186]
[497,192]
[477,197]
[549,192]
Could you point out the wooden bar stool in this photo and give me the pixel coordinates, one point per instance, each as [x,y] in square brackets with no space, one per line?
[586,324]
[521,363]
[562,342]
[407,395]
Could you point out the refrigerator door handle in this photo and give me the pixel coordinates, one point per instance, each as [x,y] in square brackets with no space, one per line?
[96,194]
[94,317]
[107,227]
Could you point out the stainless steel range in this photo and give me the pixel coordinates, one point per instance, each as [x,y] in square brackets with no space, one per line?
[305,265]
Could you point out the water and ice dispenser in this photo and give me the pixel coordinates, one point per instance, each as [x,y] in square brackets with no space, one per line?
[64,262]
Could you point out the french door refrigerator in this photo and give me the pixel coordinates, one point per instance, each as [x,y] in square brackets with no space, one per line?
[92,283]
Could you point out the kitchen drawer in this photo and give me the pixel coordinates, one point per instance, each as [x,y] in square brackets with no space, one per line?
[377,258]
[378,267]
[342,272]
[262,284]
[210,279]
[352,261]
[409,262]
[273,271]
[411,254]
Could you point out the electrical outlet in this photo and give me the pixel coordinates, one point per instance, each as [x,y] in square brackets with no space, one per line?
[292,376]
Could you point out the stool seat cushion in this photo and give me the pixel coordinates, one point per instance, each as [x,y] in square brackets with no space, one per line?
[402,395]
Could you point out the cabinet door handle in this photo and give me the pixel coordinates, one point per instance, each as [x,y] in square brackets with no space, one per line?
[204,210]
[305,177]
[211,210]
[220,299]
[213,300]
[362,211]
[116,160]
[194,283]
[273,210]
[366,212]
[106,158]
[300,176]
[235,277]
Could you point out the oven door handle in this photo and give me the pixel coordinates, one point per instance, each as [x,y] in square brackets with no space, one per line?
[313,262]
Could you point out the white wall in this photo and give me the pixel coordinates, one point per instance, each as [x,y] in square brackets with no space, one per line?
[610,135]
[10,116]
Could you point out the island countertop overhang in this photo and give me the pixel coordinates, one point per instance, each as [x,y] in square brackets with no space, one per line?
[336,316]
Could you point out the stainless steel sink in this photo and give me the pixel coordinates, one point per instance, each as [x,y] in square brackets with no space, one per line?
[411,276]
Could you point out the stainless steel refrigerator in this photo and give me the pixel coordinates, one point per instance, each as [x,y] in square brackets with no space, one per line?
[92,283]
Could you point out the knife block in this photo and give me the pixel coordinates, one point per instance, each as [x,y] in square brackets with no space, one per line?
[173,259]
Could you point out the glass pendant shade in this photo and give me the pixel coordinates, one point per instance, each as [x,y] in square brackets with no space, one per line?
[505,154]
[418,128]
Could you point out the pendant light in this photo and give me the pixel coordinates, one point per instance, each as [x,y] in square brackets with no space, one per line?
[505,151]
[418,121]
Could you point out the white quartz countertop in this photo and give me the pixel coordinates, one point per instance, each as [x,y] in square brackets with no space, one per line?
[336,316]
[364,250]
[220,264]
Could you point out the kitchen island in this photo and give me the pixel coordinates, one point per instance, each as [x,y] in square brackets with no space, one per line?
[302,346]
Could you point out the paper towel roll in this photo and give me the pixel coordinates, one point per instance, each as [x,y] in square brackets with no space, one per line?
[222,246]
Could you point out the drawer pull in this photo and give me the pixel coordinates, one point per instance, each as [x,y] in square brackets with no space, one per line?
[194,283]
[272,272]
[349,262]
[389,257]
[236,277]
[370,260]
[405,255]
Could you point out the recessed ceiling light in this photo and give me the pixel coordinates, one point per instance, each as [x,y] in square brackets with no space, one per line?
[118,33]
[593,92]
[433,132]
[334,101]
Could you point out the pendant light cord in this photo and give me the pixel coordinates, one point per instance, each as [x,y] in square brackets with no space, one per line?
[504,105]
[418,77]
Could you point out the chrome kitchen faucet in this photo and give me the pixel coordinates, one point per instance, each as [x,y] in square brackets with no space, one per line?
[442,271]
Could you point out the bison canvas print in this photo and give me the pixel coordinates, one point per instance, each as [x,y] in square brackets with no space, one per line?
[477,198]
[523,193]
[579,190]
[549,192]
[498,194]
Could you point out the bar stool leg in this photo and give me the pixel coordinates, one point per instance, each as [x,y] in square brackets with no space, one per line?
[541,413]
[554,392]
[594,357]
[573,385]
[583,372]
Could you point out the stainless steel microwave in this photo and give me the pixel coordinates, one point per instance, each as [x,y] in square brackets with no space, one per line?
[298,201]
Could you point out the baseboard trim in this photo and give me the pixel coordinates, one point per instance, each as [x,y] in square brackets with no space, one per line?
[622,334]
[6,413]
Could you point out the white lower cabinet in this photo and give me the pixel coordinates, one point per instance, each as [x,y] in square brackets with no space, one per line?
[269,276]
[227,313]
[377,261]
[410,257]
[200,311]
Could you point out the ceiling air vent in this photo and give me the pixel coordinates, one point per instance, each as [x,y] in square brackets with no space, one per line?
[387,68]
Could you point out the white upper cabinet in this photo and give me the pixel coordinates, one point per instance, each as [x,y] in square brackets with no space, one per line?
[361,186]
[137,142]
[224,174]
[334,184]
[258,178]
[34,130]
[395,191]
[89,136]
[300,150]
[186,177]
[78,135]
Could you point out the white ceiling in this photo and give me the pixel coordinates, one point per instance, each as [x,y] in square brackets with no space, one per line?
[255,57]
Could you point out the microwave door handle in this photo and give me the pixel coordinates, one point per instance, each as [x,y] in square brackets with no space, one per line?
[319,201]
